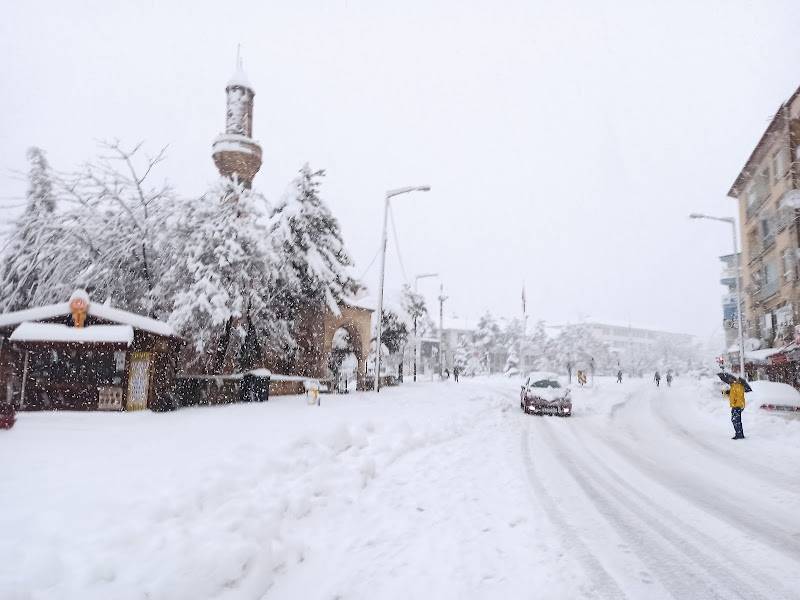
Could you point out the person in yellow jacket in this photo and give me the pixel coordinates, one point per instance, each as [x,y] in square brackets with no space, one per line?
[736,399]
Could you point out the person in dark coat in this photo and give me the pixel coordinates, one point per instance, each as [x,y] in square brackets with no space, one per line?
[455,373]
[657,379]
[669,378]
[619,376]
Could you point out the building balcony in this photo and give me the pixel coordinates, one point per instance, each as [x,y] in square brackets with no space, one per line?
[728,276]
[729,300]
[767,290]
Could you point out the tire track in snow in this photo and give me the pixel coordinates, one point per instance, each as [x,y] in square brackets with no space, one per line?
[777,589]
[765,473]
[711,500]
[677,574]
[602,583]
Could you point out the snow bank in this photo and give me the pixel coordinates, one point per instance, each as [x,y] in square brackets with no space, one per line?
[201,503]
[771,392]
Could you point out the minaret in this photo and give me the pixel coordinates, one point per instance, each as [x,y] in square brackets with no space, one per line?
[235,152]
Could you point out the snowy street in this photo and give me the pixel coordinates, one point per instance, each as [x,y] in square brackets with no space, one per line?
[426,491]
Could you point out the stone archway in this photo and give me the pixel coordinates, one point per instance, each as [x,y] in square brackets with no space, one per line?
[356,321]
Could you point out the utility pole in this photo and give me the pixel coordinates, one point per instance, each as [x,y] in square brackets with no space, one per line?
[442,298]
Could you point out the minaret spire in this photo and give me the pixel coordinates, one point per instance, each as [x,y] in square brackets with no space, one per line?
[235,152]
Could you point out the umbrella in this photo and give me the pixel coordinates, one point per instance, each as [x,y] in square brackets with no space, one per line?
[726,377]
[730,378]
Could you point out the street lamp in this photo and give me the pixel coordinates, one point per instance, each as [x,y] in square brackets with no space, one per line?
[416,285]
[389,195]
[732,223]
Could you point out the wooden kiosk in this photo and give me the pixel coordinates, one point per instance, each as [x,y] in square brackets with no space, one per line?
[78,355]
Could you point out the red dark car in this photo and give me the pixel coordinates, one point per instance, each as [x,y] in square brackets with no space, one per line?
[542,394]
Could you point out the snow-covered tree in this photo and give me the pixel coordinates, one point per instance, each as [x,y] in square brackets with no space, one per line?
[304,232]
[413,304]
[462,354]
[537,344]
[30,243]
[221,279]
[106,232]
[512,362]
[394,332]
[488,338]
[576,346]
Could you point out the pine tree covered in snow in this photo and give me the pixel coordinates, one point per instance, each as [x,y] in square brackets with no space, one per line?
[220,278]
[538,346]
[25,259]
[576,345]
[304,232]
[488,338]
[512,362]
[394,332]
[413,305]
[462,355]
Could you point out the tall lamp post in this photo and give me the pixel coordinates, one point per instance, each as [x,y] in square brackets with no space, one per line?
[389,195]
[416,285]
[732,223]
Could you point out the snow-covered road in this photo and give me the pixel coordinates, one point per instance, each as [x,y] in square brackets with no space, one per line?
[427,491]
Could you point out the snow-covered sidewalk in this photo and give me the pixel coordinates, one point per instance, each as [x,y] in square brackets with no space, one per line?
[424,491]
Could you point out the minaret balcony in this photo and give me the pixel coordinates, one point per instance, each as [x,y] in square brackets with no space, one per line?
[236,154]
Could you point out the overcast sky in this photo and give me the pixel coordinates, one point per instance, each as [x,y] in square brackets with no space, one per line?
[565,143]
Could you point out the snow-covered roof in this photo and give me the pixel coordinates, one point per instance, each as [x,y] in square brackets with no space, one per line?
[40,313]
[109,313]
[56,332]
[100,311]
[367,303]
[757,355]
[458,323]
[762,354]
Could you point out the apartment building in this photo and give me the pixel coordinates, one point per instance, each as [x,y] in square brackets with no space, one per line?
[729,308]
[769,228]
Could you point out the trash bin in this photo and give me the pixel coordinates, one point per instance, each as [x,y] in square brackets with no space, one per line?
[261,386]
[255,386]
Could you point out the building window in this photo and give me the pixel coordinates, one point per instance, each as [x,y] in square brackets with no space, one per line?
[779,165]
[767,227]
[789,265]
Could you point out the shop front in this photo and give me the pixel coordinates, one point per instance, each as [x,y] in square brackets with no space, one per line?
[81,356]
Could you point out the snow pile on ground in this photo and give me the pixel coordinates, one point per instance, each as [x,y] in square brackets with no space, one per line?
[202,503]
[433,490]
[770,392]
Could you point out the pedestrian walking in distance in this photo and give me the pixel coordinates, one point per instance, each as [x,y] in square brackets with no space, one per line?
[619,376]
[669,378]
[455,373]
[735,395]
[657,379]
